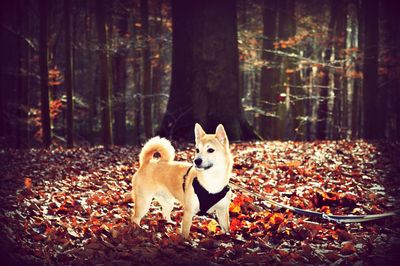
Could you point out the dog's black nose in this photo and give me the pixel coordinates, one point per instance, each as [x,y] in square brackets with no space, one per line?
[198,161]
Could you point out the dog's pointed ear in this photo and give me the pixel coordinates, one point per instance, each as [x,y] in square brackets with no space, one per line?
[221,134]
[198,132]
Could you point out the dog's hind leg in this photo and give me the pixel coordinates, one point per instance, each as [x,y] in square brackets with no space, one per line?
[142,205]
[167,204]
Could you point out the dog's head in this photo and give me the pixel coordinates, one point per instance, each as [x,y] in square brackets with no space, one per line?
[212,150]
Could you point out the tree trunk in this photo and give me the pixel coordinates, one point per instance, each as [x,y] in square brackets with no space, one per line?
[286,30]
[146,71]
[105,88]
[137,101]
[69,85]
[2,109]
[356,101]
[292,79]
[242,20]
[158,67]
[373,121]
[22,83]
[44,80]
[204,85]
[389,80]
[89,69]
[340,91]
[18,140]
[120,86]
[268,91]
[137,90]
[324,90]
[395,21]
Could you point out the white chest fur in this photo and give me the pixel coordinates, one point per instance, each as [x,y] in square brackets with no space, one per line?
[213,179]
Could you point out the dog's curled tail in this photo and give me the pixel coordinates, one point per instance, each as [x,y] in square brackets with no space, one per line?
[158,145]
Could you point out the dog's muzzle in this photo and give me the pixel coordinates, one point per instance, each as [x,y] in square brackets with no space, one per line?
[198,163]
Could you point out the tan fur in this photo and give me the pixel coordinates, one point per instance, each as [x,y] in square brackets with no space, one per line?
[154,145]
[163,178]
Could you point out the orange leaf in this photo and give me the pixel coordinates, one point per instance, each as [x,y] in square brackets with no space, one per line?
[293,164]
[28,183]
[234,207]
[212,226]
[103,201]
[326,209]
[276,218]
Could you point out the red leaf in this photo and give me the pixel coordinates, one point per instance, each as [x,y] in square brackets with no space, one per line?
[235,224]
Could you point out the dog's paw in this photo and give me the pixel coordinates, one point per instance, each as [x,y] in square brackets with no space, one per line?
[185,235]
[135,221]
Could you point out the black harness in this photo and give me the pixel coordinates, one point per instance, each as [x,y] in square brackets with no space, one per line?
[206,199]
[184,177]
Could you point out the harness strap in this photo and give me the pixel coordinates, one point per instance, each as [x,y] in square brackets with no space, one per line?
[207,199]
[184,177]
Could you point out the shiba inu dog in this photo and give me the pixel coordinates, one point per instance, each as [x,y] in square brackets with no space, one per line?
[201,187]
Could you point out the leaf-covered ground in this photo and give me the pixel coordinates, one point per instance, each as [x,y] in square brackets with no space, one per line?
[72,206]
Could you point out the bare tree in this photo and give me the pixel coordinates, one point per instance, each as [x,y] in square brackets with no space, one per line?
[146,71]
[69,68]
[44,70]
[373,121]
[269,92]
[105,79]
[205,84]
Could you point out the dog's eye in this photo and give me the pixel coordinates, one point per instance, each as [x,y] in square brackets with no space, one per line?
[210,150]
[197,151]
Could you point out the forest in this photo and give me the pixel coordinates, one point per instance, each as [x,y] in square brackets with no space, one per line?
[308,92]
[119,72]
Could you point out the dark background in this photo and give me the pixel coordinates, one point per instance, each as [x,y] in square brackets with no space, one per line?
[119,72]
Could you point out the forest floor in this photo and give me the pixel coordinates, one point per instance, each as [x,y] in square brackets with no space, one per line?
[71,206]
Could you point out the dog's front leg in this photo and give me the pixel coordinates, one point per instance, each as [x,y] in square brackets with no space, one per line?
[222,211]
[187,222]
[223,218]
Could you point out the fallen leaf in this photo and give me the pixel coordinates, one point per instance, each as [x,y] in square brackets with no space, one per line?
[348,248]
[28,183]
